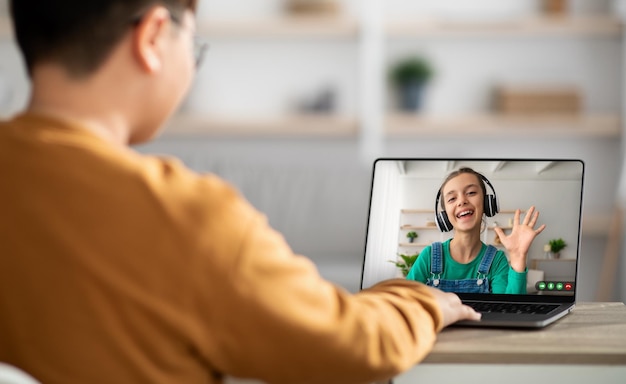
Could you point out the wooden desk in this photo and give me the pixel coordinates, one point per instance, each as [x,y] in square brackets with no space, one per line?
[594,333]
[586,346]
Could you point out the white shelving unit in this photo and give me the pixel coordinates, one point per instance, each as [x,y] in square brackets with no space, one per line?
[422,222]
[286,27]
[537,26]
[372,32]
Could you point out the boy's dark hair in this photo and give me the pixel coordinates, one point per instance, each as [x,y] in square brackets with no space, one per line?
[79,34]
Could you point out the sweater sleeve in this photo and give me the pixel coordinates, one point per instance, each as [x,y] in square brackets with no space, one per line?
[280,322]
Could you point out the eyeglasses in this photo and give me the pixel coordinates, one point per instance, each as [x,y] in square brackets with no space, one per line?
[200,48]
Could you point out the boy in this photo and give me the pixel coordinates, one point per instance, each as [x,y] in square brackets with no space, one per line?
[121,268]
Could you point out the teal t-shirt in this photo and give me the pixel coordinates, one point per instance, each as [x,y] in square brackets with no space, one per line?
[502,278]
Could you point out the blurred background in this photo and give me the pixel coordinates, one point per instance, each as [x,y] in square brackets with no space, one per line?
[296,98]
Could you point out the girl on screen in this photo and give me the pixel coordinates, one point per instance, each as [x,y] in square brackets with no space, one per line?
[464,264]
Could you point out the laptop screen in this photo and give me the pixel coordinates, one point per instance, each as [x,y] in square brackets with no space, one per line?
[435,220]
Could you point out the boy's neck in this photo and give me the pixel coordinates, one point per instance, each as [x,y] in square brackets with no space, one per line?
[82,102]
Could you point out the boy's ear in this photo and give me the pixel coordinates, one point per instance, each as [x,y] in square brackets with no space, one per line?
[148,38]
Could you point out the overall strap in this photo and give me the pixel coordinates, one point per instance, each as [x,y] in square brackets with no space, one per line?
[485,264]
[436,258]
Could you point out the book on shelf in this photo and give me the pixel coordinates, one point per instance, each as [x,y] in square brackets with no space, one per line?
[538,99]
[312,7]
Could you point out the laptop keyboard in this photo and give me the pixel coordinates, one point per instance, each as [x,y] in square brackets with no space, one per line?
[525,308]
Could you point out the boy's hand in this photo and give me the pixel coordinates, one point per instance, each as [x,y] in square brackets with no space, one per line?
[452,307]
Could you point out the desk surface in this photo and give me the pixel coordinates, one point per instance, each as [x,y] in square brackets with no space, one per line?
[593,333]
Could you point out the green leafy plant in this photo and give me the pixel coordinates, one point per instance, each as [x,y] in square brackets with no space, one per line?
[411,236]
[411,70]
[405,262]
[556,245]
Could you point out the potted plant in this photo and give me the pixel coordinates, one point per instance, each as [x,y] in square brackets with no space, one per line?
[405,262]
[411,236]
[409,77]
[556,245]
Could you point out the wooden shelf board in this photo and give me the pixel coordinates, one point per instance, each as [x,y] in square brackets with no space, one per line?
[287,126]
[425,227]
[552,260]
[412,244]
[336,27]
[540,26]
[562,126]
[409,211]
[282,27]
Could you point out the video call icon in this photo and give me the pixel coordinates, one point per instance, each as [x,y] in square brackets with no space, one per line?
[554,286]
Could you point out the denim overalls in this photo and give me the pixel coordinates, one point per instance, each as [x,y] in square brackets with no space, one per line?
[478,285]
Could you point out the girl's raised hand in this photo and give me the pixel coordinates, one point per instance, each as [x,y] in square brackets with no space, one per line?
[522,235]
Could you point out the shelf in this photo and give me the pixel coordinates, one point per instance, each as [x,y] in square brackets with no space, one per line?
[422,227]
[511,211]
[333,27]
[502,126]
[409,211]
[540,26]
[552,260]
[422,245]
[282,27]
[345,27]
[288,126]
[417,245]
[416,227]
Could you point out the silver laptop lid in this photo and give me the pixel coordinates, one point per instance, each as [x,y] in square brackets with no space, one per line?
[407,215]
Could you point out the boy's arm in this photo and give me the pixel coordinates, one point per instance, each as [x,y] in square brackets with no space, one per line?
[281,322]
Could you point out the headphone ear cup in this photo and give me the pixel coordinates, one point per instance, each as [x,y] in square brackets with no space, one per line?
[491,205]
[443,223]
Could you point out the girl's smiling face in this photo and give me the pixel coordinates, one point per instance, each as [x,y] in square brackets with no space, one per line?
[463,199]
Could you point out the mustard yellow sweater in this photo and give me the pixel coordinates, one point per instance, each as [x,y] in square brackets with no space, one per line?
[117,267]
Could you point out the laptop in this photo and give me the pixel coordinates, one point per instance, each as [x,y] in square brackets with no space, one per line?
[406,217]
